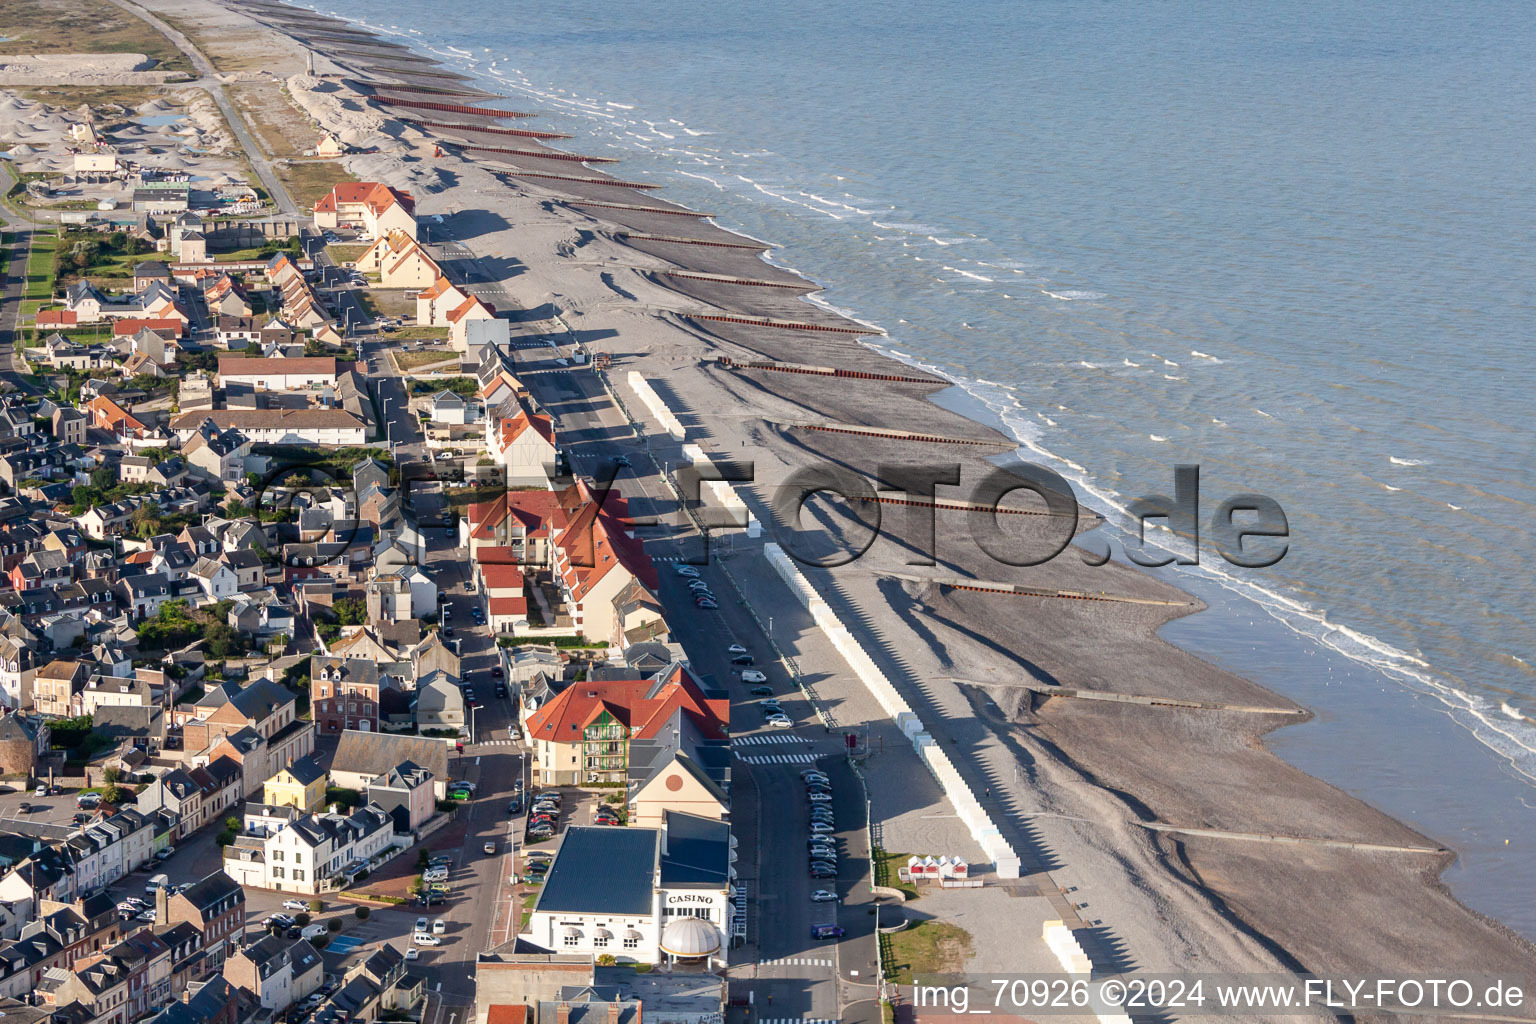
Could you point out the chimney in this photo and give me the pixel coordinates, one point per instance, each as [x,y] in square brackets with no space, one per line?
[613,1013]
[563,1014]
[162,907]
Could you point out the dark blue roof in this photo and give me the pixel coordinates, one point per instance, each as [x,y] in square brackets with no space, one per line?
[602,870]
[698,851]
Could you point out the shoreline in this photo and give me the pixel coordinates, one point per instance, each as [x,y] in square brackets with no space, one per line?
[1075,735]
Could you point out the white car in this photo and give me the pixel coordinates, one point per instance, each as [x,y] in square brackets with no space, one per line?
[425,939]
[820,798]
[435,875]
[821,826]
[412,953]
[823,896]
[736,649]
[686,570]
[295,905]
[781,722]
[752,675]
[423,925]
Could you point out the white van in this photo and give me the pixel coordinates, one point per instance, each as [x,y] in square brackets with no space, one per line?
[313,931]
[425,939]
[156,882]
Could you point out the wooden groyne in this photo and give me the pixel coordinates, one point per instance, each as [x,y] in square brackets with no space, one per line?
[725,362]
[673,239]
[697,275]
[610,182]
[636,209]
[1014,589]
[1044,691]
[444,126]
[449,108]
[429,90]
[899,435]
[1270,837]
[781,325]
[549,155]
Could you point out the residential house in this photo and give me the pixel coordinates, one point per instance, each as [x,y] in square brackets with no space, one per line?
[368,206]
[278,426]
[300,785]
[278,374]
[407,794]
[312,854]
[55,687]
[346,693]
[399,262]
[278,972]
[363,756]
[583,734]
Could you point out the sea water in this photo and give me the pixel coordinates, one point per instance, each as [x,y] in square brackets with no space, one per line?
[1288,243]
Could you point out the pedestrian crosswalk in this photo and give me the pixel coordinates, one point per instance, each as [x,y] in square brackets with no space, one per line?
[793,1020]
[765,737]
[794,961]
[496,743]
[777,758]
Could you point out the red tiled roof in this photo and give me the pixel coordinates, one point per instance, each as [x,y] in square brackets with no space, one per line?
[157,324]
[498,575]
[562,718]
[464,308]
[507,1014]
[375,196]
[509,605]
[57,318]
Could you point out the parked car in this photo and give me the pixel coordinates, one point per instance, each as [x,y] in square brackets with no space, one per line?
[442,860]
[735,649]
[752,675]
[425,939]
[295,905]
[463,784]
[780,721]
[761,691]
[821,827]
[742,659]
[824,896]
[439,926]
[821,869]
[826,931]
[820,798]
[707,604]
[686,570]
[458,794]
[412,953]
[490,847]
[423,924]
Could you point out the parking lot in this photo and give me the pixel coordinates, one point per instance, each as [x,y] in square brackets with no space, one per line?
[54,810]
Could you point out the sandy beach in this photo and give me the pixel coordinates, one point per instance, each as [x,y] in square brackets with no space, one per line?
[1281,888]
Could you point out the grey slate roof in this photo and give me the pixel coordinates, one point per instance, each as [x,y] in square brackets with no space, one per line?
[603,870]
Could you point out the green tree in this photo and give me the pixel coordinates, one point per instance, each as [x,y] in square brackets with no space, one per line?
[316,906]
[112,795]
[232,823]
[111,776]
[352,611]
[361,913]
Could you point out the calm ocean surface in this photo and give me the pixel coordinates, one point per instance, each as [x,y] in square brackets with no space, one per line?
[1290,243]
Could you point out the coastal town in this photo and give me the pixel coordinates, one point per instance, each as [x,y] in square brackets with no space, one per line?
[398,622]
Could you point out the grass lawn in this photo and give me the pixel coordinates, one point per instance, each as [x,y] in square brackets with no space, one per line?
[408,361]
[420,334]
[885,872]
[128,97]
[528,902]
[308,180]
[40,267]
[346,253]
[929,947]
[386,302]
[241,255]
[83,26]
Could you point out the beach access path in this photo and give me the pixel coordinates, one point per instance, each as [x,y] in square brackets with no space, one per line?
[210,83]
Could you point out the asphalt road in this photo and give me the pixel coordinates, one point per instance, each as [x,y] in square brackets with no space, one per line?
[790,974]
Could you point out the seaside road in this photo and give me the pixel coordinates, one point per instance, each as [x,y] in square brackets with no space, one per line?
[210,83]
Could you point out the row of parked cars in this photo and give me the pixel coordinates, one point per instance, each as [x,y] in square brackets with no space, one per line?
[702,595]
[822,841]
[543,816]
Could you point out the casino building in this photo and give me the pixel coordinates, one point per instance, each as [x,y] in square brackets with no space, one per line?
[642,895]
